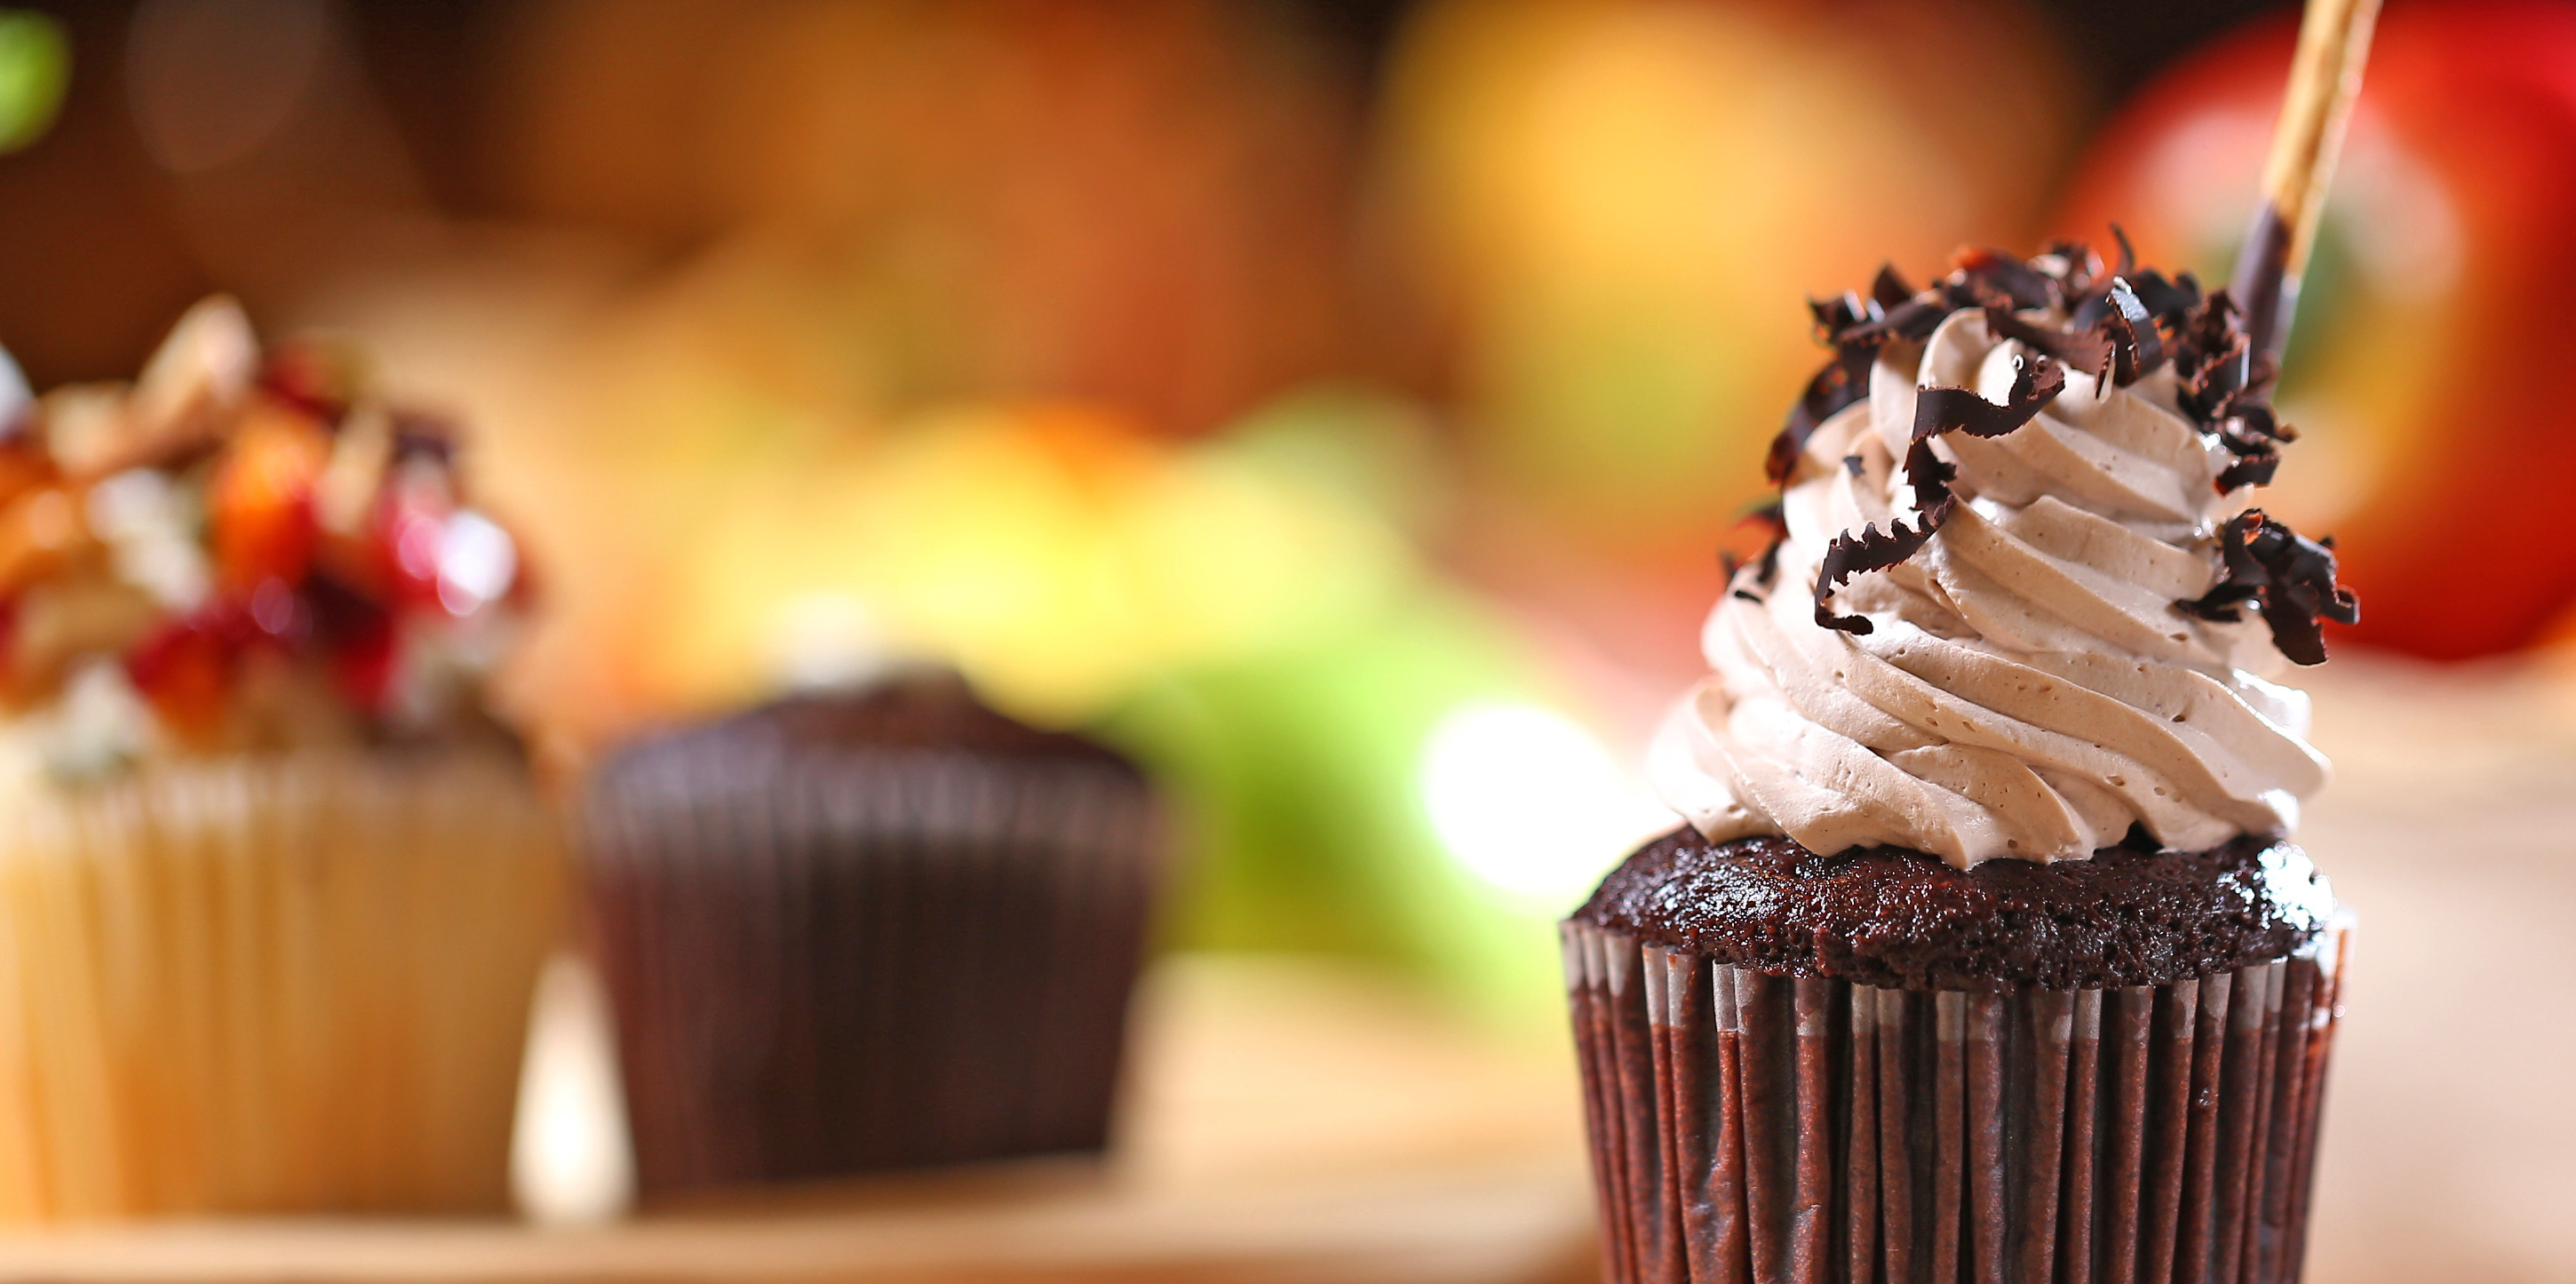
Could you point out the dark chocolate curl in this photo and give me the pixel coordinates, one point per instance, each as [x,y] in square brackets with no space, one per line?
[2083,267]
[1841,313]
[2171,302]
[1917,319]
[1767,569]
[1993,276]
[1767,566]
[2255,439]
[2085,350]
[2251,467]
[2136,348]
[1889,290]
[1937,411]
[1843,381]
[2287,577]
[2213,383]
[1849,555]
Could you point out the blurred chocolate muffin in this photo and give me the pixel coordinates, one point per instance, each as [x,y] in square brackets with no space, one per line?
[857,932]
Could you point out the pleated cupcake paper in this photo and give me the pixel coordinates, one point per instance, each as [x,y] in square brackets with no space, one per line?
[833,960]
[277,984]
[1751,1129]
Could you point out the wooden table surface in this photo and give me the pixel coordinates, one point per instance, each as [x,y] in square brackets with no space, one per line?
[1287,1122]
[1295,1122]
[2450,1137]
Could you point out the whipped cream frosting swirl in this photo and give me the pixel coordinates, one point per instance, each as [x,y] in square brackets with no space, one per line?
[2027,688]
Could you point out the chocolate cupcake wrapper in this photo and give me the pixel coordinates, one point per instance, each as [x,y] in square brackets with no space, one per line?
[851,961]
[283,984]
[1758,1128]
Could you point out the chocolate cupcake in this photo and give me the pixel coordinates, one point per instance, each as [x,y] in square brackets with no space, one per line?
[857,932]
[274,884]
[1986,955]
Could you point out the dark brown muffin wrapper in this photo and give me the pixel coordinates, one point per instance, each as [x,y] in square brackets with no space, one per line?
[1748,1128]
[853,961]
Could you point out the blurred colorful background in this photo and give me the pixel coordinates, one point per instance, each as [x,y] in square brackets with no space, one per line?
[1341,405]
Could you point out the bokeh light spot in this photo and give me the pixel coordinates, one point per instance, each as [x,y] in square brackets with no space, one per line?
[1529,801]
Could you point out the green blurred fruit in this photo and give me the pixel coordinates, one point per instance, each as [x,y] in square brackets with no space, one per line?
[35,68]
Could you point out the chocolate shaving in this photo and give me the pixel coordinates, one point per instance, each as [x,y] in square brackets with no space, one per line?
[1849,555]
[2289,578]
[1767,567]
[2083,266]
[1842,313]
[2116,337]
[2136,348]
[1843,381]
[2254,437]
[1992,276]
[2086,350]
[1937,412]
[2253,467]
[2170,302]
[1889,289]
[2224,385]
[1856,328]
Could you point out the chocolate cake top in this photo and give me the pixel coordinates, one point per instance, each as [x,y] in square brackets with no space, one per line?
[1904,920]
[920,710]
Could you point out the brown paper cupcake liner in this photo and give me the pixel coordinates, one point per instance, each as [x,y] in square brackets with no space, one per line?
[278,984]
[846,961]
[1750,1128]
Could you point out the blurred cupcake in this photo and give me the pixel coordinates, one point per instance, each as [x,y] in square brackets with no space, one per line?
[1987,954]
[273,884]
[862,931]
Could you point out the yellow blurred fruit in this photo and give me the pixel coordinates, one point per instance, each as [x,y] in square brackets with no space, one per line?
[1056,553]
[1624,203]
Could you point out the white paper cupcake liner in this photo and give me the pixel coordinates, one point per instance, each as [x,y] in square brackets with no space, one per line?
[292,983]
[1749,1128]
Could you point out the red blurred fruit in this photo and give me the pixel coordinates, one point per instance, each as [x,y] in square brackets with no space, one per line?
[185,669]
[2424,370]
[358,636]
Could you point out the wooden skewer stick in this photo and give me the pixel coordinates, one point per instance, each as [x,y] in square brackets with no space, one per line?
[2334,42]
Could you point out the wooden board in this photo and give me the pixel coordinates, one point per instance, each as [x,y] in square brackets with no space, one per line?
[2449,1150]
[1289,1122]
